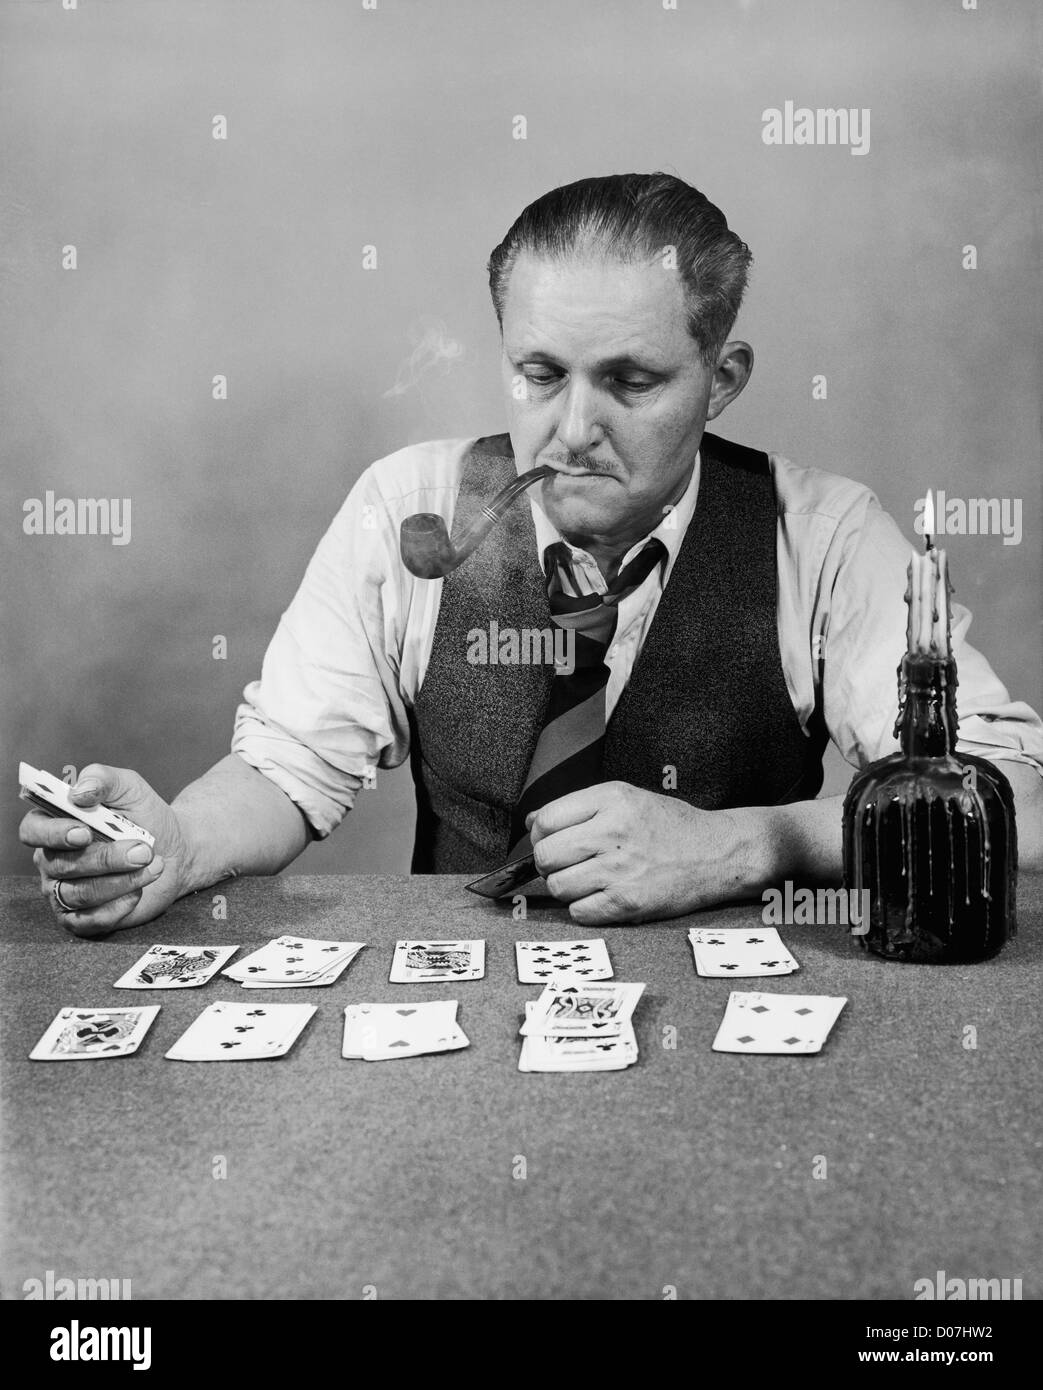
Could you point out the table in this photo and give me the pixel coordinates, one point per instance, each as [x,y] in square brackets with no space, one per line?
[692,1172]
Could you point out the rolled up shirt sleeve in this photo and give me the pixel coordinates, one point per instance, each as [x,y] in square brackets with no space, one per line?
[328,709]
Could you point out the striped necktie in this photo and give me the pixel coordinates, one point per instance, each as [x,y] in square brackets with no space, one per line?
[571,744]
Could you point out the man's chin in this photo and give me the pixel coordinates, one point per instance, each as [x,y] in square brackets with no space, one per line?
[581,506]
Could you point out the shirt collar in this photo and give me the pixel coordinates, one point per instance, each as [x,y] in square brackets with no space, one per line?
[671,530]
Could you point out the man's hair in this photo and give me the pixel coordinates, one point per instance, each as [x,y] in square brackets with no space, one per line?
[636,217]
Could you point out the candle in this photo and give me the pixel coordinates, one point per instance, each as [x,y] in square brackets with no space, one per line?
[927,631]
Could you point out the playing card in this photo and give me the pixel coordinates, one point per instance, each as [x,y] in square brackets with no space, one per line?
[50,795]
[777,1022]
[428,962]
[740,952]
[591,1010]
[175,967]
[231,1032]
[545,1053]
[381,1032]
[505,879]
[294,962]
[540,962]
[75,1034]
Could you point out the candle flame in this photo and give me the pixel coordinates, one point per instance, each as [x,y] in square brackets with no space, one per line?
[928,517]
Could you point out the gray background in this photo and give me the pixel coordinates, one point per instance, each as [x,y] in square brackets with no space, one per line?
[393,127]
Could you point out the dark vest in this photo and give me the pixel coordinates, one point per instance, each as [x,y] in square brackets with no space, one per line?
[707,696]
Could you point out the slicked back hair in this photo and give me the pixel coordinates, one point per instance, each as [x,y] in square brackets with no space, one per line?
[635,217]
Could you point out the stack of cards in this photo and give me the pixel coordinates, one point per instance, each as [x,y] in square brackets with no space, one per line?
[580,1028]
[228,1032]
[380,1032]
[428,962]
[76,1034]
[176,967]
[562,962]
[740,951]
[777,1022]
[294,962]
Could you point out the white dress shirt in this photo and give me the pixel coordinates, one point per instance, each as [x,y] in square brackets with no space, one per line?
[351,650]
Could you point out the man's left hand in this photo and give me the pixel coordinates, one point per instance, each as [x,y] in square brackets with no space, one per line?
[616,853]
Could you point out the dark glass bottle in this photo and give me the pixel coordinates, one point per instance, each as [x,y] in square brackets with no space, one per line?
[931,834]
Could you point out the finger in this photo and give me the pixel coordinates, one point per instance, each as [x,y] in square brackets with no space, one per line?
[597,910]
[563,848]
[100,857]
[579,880]
[572,809]
[100,920]
[87,893]
[52,831]
[98,782]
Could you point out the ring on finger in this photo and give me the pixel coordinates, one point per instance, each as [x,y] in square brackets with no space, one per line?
[56,893]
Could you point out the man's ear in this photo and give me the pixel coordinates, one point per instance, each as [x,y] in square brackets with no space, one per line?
[733,370]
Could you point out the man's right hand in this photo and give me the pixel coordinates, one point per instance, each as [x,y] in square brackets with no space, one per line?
[110,884]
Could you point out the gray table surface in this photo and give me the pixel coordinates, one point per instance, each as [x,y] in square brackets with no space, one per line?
[691,1171]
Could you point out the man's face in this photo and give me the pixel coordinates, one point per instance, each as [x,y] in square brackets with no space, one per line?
[615,393]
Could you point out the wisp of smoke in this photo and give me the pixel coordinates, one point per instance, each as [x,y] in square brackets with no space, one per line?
[432,347]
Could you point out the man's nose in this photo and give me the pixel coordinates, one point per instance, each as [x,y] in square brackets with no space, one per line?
[579,428]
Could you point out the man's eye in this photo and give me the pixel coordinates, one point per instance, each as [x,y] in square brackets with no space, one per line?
[628,384]
[541,378]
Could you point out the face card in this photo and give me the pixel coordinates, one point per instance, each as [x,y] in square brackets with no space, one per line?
[382,1032]
[540,962]
[740,952]
[231,1032]
[428,962]
[777,1023]
[505,879]
[593,1010]
[76,1034]
[176,967]
[545,1054]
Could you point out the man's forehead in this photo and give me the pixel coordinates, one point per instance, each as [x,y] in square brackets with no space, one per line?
[627,307]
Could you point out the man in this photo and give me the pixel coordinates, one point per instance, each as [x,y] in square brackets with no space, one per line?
[730,612]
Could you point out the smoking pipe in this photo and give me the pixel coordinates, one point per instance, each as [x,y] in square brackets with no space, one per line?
[424,540]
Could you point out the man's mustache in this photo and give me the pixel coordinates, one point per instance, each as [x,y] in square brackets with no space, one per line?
[580,463]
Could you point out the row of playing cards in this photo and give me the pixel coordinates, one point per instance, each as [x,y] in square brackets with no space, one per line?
[381,1032]
[740,951]
[288,962]
[580,1028]
[223,1032]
